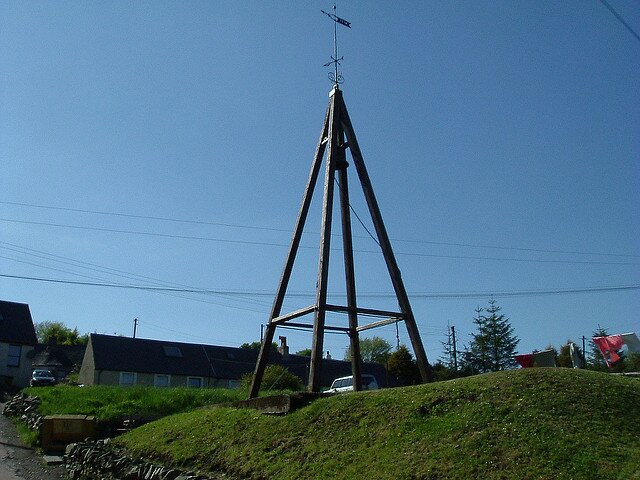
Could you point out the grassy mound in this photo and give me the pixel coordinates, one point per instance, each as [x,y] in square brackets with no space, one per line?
[526,424]
[108,403]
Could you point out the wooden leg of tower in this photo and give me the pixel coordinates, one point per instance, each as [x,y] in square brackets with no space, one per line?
[325,250]
[385,244]
[350,277]
[288,266]
[261,364]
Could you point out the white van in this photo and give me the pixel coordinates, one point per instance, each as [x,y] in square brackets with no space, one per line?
[345,384]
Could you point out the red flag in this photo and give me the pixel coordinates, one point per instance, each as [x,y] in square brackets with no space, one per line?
[609,347]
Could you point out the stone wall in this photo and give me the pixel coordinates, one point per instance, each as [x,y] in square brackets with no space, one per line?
[99,460]
[25,408]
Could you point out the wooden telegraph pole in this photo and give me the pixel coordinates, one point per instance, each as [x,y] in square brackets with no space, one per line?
[338,135]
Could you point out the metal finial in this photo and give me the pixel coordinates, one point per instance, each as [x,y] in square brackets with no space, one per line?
[335,76]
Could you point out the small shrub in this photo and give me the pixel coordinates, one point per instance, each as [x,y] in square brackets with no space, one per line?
[276,377]
[632,363]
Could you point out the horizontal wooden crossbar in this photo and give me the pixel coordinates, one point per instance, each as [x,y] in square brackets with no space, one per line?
[377,324]
[295,314]
[326,327]
[337,308]
[365,311]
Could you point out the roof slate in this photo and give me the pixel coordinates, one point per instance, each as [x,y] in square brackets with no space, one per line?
[140,355]
[16,324]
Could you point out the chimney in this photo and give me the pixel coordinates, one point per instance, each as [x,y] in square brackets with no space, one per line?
[283,348]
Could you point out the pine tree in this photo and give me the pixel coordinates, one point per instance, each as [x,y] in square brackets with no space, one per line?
[563,359]
[596,360]
[493,346]
[447,351]
[450,353]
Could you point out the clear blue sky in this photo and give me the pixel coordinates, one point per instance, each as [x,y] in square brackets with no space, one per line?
[508,124]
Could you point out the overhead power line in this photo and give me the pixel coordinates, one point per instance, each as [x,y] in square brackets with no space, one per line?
[144,217]
[274,244]
[139,232]
[173,292]
[620,19]
[509,293]
[93,267]
[284,230]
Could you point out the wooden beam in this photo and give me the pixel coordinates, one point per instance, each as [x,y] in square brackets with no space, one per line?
[295,314]
[349,269]
[325,249]
[326,327]
[261,364]
[365,311]
[385,244]
[381,323]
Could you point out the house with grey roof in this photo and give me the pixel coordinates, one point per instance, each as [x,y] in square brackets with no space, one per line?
[17,341]
[113,360]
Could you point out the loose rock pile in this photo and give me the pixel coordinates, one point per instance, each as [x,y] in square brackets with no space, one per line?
[26,408]
[98,460]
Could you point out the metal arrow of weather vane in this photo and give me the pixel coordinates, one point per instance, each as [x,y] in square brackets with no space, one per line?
[336,75]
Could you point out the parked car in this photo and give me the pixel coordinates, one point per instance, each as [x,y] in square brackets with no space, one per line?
[41,378]
[345,384]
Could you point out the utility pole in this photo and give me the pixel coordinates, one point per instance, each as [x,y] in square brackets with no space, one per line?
[584,353]
[455,352]
[135,327]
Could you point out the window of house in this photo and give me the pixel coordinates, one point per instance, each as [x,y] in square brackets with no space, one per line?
[127,379]
[172,351]
[13,357]
[194,382]
[162,380]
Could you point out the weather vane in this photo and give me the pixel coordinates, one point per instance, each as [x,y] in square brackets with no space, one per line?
[336,75]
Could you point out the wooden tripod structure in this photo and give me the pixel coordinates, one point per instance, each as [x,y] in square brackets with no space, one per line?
[338,134]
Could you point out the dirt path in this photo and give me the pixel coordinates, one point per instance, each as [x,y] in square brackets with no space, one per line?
[18,462]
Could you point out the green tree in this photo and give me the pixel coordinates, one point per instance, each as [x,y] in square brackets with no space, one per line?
[631,363]
[375,349]
[59,333]
[402,366]
[596,360]
[493,346]
[450,358]
[563,359]
[256,346]
[442,372]
[305,352]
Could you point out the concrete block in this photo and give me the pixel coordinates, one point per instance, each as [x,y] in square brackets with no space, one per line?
[60,430]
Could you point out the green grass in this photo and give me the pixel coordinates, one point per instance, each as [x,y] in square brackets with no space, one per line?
[526,424]
[108,403]
[28,436]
